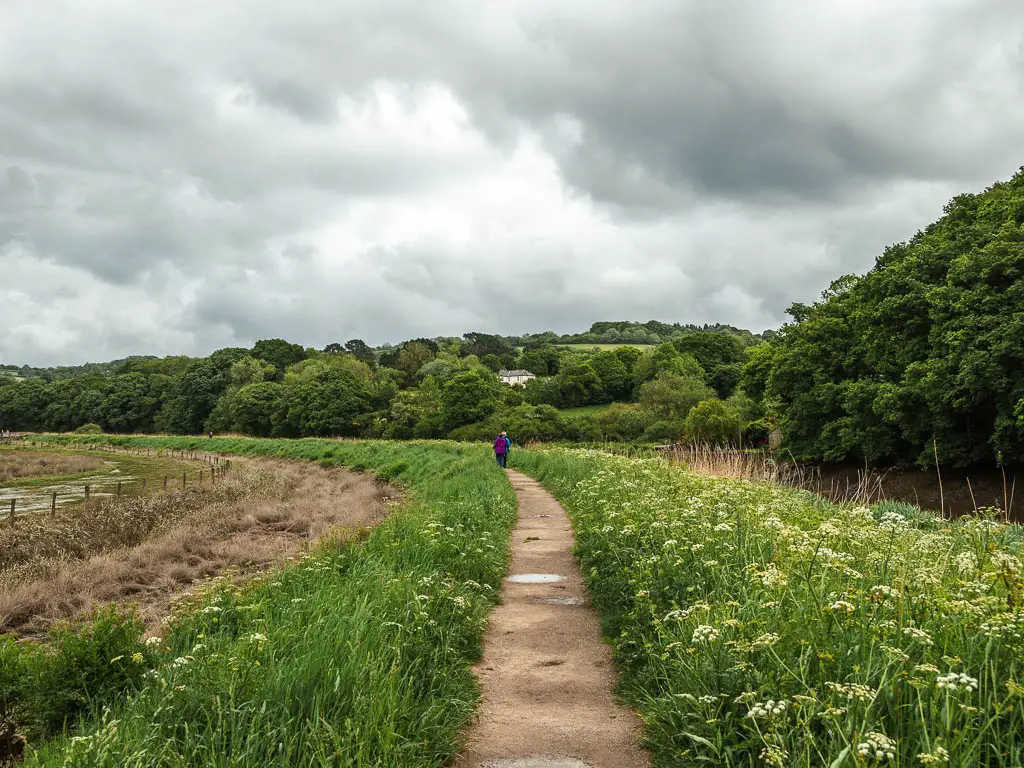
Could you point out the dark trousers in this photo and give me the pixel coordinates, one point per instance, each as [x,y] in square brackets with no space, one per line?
[501,457]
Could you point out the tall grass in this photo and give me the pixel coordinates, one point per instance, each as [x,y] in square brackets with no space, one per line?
[761,625]
[357,655]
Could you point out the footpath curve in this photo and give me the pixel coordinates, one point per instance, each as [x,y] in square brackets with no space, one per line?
[546,676]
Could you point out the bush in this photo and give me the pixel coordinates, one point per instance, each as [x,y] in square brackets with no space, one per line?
[711,422]
[89,429]
[663,432]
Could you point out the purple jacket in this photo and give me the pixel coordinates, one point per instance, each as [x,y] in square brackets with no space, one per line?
[500,446]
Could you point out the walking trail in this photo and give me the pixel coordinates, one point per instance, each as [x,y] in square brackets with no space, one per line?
[547,678]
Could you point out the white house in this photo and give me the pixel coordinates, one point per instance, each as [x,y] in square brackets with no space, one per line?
[515,377]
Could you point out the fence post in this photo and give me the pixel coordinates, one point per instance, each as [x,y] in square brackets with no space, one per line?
[87,493]
[143,485]
[165,482]
[53,504]
[118,487]
[13,502]
[200,477]
[184,482]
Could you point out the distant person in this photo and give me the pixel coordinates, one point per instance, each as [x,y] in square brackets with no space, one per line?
[211,435]
[508,446]
[501,450]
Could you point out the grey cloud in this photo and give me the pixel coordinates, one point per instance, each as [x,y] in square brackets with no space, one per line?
[737,155]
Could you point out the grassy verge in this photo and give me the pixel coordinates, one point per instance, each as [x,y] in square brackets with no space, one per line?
[755,625]
[357,655]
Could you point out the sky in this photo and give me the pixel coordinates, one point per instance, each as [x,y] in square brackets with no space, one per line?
[176,177]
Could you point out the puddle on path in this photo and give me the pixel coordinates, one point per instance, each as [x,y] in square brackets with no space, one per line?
[537,762]
[559,600]
[535,578]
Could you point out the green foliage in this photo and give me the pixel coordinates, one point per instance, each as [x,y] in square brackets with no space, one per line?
[671,396]
[278,352]
[927,346]
[720,355]
[663,432]
[89,429]
[579,384]
[469,397]
[542,360]
[357,653]
[711,422]
[45,688]
[614,376]
[754,625]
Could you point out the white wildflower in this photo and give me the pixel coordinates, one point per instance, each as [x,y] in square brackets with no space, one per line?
[705,634]
[877,746]
[956,681]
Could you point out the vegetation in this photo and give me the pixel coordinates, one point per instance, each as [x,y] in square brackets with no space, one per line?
[423,388]
[16,464]
[357,654]
[922,356]
[755,625]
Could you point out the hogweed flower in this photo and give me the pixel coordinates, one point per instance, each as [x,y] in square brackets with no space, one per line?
[955,681]
[705,634]
[918,634]
[770,708]
[937,756]
[878,746]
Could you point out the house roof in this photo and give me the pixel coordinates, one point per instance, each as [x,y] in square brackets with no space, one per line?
[514,373]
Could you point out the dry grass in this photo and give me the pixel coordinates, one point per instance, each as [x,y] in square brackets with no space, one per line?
[761,467]
[18,464]
[148,550]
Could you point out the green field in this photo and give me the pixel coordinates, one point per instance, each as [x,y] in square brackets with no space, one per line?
[587,410]
[603,347]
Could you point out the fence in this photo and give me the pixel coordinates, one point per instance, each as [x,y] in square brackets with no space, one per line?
[114,489]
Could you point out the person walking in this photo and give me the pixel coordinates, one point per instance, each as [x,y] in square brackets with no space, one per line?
[500,450]
[508,446]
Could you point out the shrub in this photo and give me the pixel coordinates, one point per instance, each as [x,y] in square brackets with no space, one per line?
[711,422]
[89,429]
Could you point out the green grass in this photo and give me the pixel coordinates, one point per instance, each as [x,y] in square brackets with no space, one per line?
[588,410]
[755,625]
[356,655]
[603,347]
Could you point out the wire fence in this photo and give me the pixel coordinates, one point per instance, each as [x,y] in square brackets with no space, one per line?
[18,501]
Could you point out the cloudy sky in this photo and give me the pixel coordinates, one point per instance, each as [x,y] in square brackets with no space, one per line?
[182,175]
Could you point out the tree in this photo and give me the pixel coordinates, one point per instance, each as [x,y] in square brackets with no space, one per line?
[542,360]
[325,404]
[412,357]
[254,406]
[278,353]
[195,395]
[671,396]
[481,344]
[721,355]
[468,397]
[613,374]
[711,422]
[579,384]
[925,352]
[361,351]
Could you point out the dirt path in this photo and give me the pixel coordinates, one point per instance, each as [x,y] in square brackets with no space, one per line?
[547,678]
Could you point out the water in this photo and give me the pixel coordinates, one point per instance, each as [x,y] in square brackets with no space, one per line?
[535,578]
[37,498]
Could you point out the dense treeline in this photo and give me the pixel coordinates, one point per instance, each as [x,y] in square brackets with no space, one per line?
[422,388]
[923,354]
